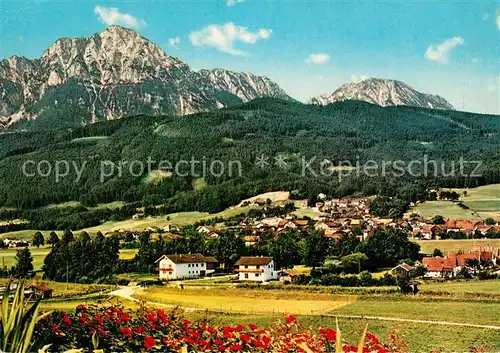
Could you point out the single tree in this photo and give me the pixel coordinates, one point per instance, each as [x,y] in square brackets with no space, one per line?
[316,249]
[67,237]
[438,220]
[24,263]
[38,239]
[285,250]
[437,253]
[53,238]
[489,221]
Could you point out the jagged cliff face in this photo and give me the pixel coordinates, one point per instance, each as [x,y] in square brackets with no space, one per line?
[113,74]
[384,93]
[245,86]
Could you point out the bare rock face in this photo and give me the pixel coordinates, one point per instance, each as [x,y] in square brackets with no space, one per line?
[113,74]
[385,93]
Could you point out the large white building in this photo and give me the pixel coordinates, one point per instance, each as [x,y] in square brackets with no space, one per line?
[185,265]
[259,269]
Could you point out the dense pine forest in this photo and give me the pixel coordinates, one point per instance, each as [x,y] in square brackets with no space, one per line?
[348,131]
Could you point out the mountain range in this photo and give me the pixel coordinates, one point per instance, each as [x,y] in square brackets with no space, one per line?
[118,73]
[113,74]
[385,93]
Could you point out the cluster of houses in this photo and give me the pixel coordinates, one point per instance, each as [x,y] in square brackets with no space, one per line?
[262,268]
[427,230]
[451,265]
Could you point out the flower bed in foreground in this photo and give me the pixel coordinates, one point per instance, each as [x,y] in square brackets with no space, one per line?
[114,329]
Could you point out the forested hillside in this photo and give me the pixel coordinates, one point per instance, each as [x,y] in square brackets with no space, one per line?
[350,130]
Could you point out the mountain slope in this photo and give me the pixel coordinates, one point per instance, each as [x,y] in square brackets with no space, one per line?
[303,134]
[383,92]
[113,74]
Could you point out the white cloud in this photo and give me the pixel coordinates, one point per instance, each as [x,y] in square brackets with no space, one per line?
[359,78]
[112,16]
[234,2]
[441,52]
[498,20]
[318,58]
[174,42]
[223,37]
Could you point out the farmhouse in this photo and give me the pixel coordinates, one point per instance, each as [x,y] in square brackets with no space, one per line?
[259,269]
[437,267]
[403,269]
[185,265]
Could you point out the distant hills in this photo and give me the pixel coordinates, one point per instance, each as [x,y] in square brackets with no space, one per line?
[278,129]
[385,93]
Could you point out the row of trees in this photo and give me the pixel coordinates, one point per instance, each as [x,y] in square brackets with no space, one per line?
[290,248]
[82,259]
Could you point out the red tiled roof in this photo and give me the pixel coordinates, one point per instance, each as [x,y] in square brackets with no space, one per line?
[253,261]
[438,264]
[459,224]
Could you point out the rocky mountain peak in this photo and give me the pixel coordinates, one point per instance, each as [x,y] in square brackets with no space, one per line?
[383,92]
[116,73]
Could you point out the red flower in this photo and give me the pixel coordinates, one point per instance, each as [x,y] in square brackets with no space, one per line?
[373,339]
[244,337]
[253,327]
[152,317]
[125,317]
[149,342]
[290,319]
[218,342]
[66,320]
[240,327]
[330,334]
[235,347]
[127,332]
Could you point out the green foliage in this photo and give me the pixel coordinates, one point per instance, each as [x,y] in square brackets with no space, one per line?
[286,250]
[387,248]
[383,206]
[17,322]
[437,253]
[53,238]
[266,126]
[38,239]
[74,259]
[24,264]
[489,221]
[438,219]
[316,248]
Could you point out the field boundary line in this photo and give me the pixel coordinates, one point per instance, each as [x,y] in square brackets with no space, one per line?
[419,321]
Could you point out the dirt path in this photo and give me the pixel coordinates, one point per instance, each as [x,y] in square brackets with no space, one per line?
[128,294]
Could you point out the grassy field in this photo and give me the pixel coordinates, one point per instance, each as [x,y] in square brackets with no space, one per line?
[319,310]
[177,219]
[307,212]
[471,286]
[8,256]
[420,337]
[276,196]
[487,313]
[242,300]
[428,246]
[483,202]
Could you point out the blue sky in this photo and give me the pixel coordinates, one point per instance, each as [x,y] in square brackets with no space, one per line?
[450,48]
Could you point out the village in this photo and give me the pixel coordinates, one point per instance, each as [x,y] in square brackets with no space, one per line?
[336,218]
